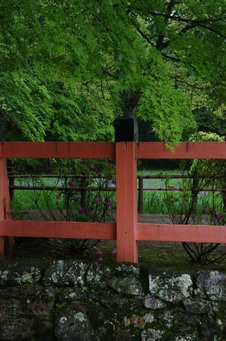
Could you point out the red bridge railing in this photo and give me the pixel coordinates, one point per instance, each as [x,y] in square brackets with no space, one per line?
[127,231]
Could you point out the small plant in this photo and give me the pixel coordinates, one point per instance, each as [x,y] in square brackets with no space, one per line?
[199,193]
[75,200]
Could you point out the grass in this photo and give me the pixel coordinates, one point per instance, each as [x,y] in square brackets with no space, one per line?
[156,201]
[47,199]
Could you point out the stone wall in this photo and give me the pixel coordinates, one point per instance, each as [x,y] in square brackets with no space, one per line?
[71,300]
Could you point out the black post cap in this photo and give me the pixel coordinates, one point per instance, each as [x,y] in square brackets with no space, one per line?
[125,129]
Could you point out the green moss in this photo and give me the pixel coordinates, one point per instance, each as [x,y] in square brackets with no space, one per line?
[168,336]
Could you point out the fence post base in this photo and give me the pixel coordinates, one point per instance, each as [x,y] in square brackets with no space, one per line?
[126,201]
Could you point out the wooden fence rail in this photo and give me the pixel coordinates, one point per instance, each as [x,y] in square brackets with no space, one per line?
[127,231]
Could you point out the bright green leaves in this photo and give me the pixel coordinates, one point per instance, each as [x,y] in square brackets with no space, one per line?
[25,104]
[168,108]
[170,55]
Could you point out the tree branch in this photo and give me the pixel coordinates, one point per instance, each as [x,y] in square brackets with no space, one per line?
[192,22]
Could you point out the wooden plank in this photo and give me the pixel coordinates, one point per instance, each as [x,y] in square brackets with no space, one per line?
[126,201]
[181,233]
[145,150]
[57,229]
[186,150]
[93,150]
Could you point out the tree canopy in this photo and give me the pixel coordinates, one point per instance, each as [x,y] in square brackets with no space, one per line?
[159,59]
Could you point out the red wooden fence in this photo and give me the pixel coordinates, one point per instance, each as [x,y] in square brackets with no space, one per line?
[127,231]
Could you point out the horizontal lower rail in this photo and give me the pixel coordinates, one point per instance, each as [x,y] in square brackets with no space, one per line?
[181,233]
[147,232]
[57,229]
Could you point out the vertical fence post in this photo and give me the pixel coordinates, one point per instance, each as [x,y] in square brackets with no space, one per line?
[126,201]
[6,243]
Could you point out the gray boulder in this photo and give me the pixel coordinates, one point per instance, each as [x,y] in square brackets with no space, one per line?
[212,285]
[72,324]
[14,273]
[64,273]
[97,276]
[169,286]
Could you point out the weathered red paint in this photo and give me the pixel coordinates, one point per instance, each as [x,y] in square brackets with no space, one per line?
[126,201]
[101,150]
[181,233]
[57,229]
[186,150]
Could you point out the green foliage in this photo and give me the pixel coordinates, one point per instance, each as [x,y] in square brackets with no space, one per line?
[170,54]
[25,106]
[208,167]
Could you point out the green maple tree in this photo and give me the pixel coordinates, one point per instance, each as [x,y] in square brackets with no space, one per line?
[167,57]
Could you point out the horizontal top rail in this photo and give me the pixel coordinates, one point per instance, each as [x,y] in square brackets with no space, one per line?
[186,150]
[106,150]
[60,150]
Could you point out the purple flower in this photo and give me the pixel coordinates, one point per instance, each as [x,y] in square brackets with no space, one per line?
[219,215]
[99,252]
[97,199]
